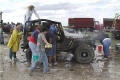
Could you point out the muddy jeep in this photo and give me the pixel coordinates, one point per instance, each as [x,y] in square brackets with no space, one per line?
[82,49]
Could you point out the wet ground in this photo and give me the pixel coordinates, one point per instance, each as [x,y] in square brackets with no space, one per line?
[98,70]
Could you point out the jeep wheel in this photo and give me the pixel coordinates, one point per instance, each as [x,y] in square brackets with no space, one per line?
[84,54]
[28,55]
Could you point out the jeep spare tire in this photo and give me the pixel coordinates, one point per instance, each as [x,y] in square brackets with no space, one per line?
[84,54]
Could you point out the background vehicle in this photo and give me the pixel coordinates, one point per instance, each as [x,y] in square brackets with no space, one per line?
[82,23]
[116,25]
[113,25]
[82,48]
[107,23]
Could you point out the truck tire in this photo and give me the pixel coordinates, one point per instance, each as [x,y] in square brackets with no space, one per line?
[84,54]
[28,55]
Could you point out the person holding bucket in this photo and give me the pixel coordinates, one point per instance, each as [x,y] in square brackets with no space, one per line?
[106,42]
[41,42]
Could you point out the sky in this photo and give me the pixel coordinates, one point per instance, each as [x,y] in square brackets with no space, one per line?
[60,10]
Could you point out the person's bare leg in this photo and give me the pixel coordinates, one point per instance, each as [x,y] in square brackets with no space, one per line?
[50,60]
[55,62]
[55,59]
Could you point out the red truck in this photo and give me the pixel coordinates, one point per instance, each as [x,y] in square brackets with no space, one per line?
[99,27]
[81,22]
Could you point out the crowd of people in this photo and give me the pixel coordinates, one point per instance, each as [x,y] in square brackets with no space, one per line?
[39,38]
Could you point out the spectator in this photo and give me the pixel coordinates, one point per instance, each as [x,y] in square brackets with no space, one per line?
[33,46]
[52,36]
[14,42]
[52,51]
[41,41]
[1,35]
[54,30]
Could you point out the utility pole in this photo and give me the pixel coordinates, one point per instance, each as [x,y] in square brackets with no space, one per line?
[1,17]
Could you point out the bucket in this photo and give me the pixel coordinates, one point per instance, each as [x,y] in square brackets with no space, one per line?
[99,48]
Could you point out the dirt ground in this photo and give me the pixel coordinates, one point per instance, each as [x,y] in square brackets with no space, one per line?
[99,69]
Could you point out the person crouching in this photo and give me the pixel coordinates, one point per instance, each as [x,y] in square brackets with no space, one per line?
[106,44]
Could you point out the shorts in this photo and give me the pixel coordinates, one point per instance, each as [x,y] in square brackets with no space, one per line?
[52,51]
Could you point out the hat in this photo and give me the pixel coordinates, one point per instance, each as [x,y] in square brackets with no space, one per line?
[31,7]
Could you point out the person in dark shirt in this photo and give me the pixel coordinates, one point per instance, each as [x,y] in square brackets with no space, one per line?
[54,30]
[51,38]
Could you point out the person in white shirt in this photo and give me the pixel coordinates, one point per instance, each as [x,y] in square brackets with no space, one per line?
[30,11]
[28,15]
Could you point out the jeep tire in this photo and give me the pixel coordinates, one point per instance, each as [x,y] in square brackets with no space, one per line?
[84,54]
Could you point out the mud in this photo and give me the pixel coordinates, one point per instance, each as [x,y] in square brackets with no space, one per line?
[99,69]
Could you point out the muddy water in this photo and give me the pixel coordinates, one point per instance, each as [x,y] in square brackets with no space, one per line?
[99,69]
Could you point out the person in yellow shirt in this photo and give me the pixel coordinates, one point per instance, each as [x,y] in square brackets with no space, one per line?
[14,42]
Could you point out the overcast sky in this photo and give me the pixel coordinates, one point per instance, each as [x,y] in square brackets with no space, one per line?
[60,10]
